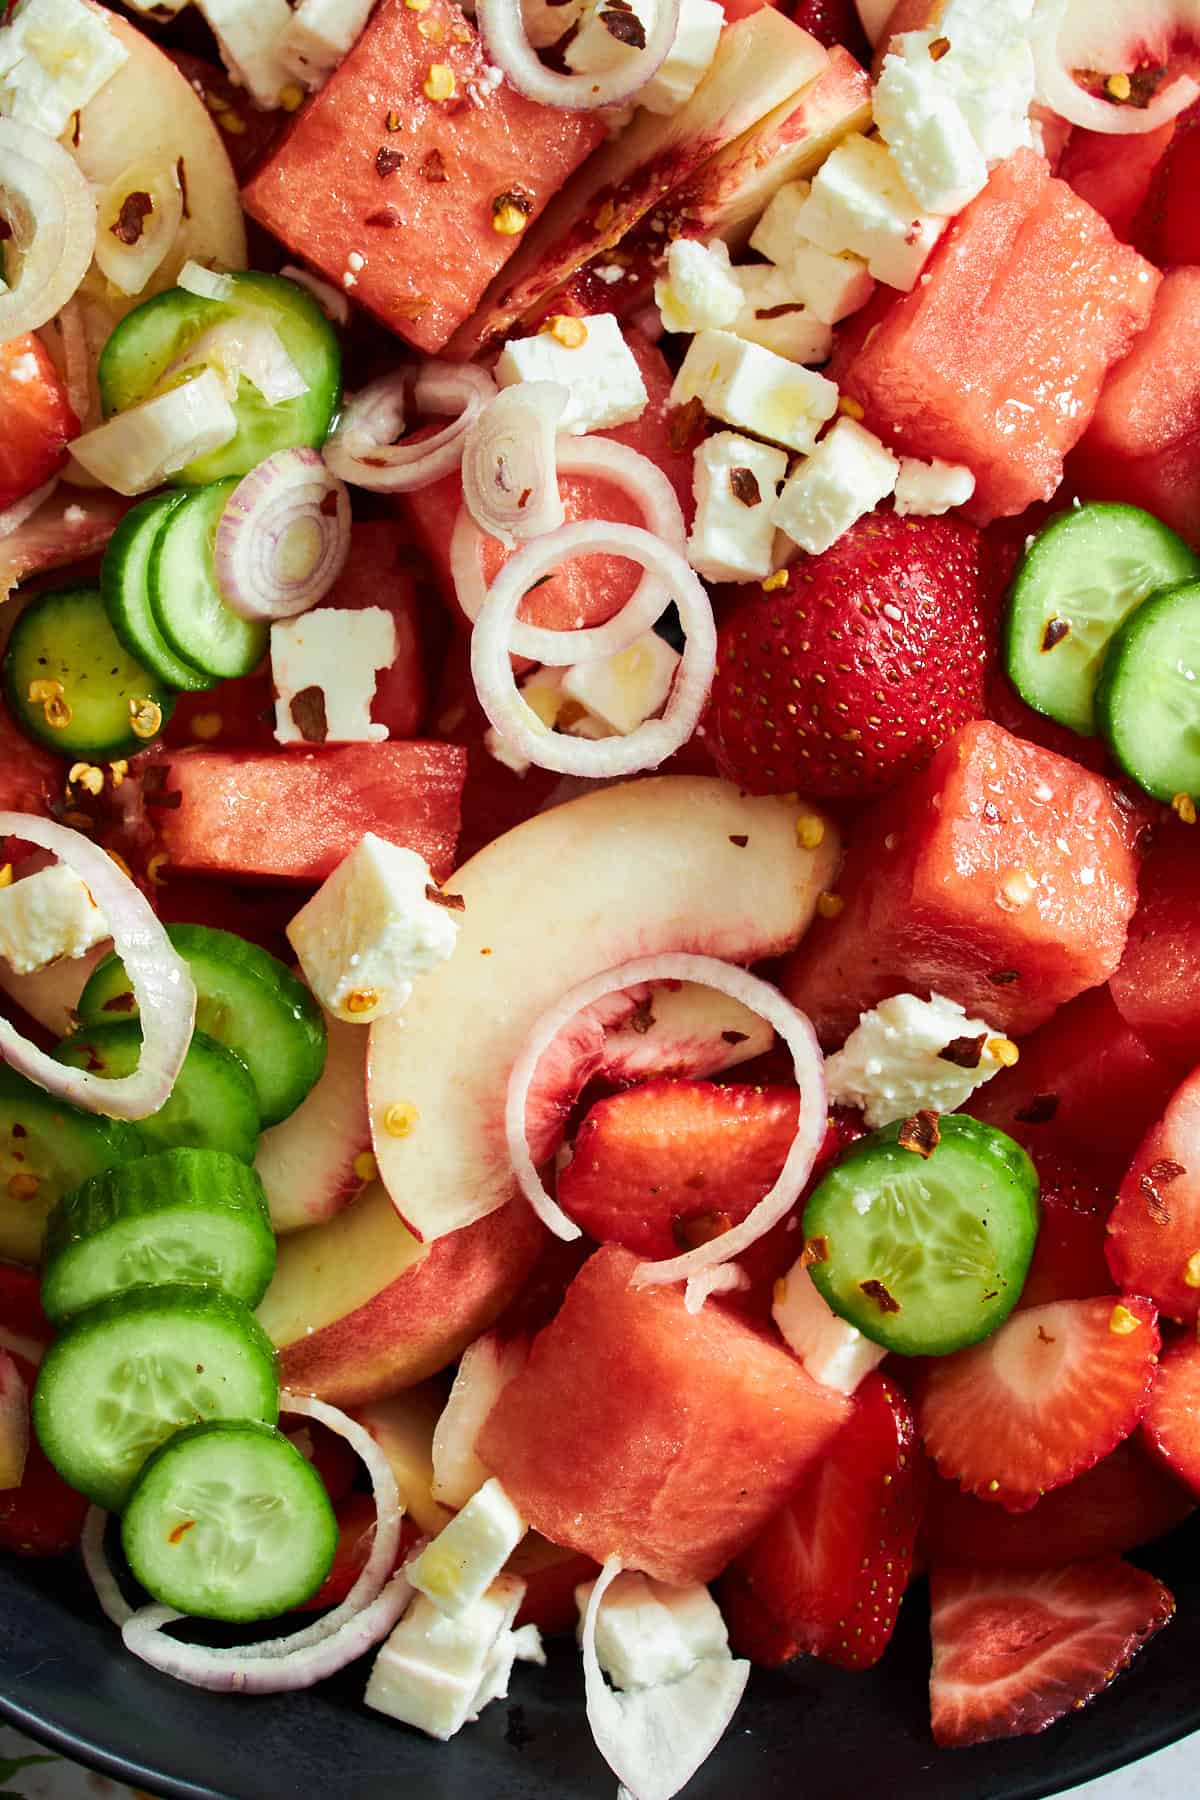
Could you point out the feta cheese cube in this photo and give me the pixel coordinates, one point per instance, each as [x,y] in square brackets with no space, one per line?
[45,916]
[735,481]
[755,390]
[318,35]
[600,373]
[55,56]
[542,690]
[699,289]
[833,1352]
[832,286]
[249,35]
[677,78]
[892,1064]
[777,232]
[926,131]
[324,664]
[625,690]
[648,1633]
[457,1568]
[929,488]
[370,930]
[510,1648]
[438,1673]
[847,475]
[774,315]
[989,66]
[859,202]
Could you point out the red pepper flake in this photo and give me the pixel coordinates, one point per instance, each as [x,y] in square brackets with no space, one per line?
[180,1531]
[308,715]
[991,816]
[783,311]
[642,1017]
[626,27]
[131,220]
[120,1003]
[920,1134]
[964,1052]
[1159,1175]
[410,306]
[76,128]
[328,507]
[816,1250]
[938,48]
[685,425]
[1004,977]
[743,485]
[739,839]
[452,902]
[181,178]
[19,1131]
[392,121]
[875,1290]
[694,1229]
[734,1037]
[6,230]
[511,198]
[1056,630]
[1040,1111]
[385,219]
[388,161]
[433,166]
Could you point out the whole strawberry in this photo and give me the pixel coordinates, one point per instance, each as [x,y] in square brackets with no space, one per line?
[849,677]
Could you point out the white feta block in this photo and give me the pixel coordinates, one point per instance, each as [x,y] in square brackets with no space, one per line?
[437,1673]
[542,690]
[47,916]
[609,37]
[319,34]
[735,481]
[989,67]
[625,690]
[778,232]
[859,202]
[546,21]
[677,78]
[250,35]
[55,56]
[925,129]
[600,373]
[510,1648]
[930,488]
[755,390]
[831,285]
[894,1062]
[648,1633]
[847,475]
[699,289]
[774,315]
[457,1568]
[371,930]
[324,665]
[833,1352]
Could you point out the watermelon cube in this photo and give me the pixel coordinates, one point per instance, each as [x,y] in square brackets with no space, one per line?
[385,569]
[1143,444]
[1114,173]
[293,815]
[409,179]
[1157,987]
[1002,876]
[997,356]
[640,1430]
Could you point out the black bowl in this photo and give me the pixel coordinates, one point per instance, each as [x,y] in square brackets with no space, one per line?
[808,1731]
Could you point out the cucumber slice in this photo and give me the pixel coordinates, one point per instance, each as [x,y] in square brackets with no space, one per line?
[1081,576]
[125,590]
[71,684]
[139,360]
[187,605]
[213,1105]
[46,1149]
[126,1374]
[246,999]
[925,1253]
[183,1215]
[229,1521]
[1148,700]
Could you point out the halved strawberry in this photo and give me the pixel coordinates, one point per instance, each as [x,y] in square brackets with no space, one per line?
[1154,1231]
[1068,1258]
[831,1567]
[664,1166]
[1013,1653]
[42,1517]
[1042,1399]
[1171,1426]
[356,1518]
[38,421]
[21,1304]
[754,1632]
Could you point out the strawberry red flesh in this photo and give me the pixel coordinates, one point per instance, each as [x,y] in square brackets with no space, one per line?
[1042,1399]
[38,421]
[1068,1258]
[1154,1231]
[42,1517]
[1013,1653]
[1171,1426]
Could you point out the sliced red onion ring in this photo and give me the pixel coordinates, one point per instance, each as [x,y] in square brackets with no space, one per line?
[113,1603]
[363,450]
[206,284]
[644,482]
[283,537]
[725,978]
[20,510]
[491,663]
[47,204]
[654,1739]
[508,46]
[509,474]
[162,985]
[1069,36]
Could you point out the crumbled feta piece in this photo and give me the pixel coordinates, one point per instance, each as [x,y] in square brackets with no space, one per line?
[859,202]
[250,36]
[735,481]
[648,1633]
[542,690]
[774,315]
[370,930]
[847,475]
[45,916]
[989,67]
[55,56]
[546,21]
[831,285]
[457,1568]
[925,129]
[699,289]
[933,487]
[624,690]
[437,1673]
[777,233]
[680,74]
[318,35]
[324,665]
[833,1352]
[755,390]
[894,1062]
[600,373]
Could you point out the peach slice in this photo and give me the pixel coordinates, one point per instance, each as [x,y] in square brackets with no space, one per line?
[683,1031]
[403,1425]
[487,1367]
[671,863]
[311,1165]
[14,1423]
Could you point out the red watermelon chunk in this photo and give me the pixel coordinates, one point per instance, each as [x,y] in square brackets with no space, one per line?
[1114,173]
[640,1430]
[422,190]
[1157,987]
[997,356]
[1002,876]
[293,816]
